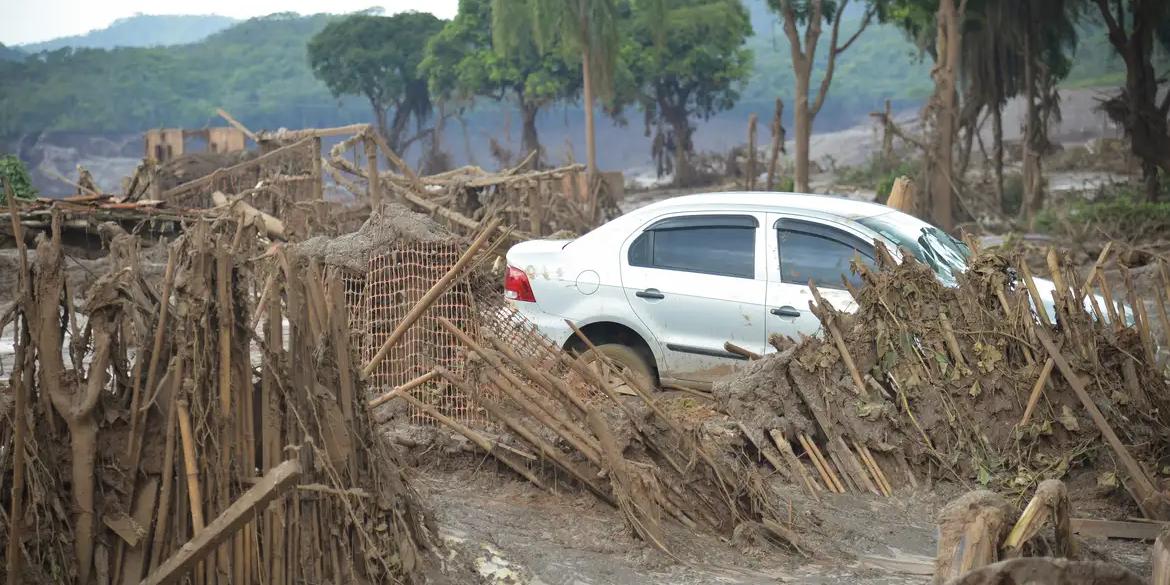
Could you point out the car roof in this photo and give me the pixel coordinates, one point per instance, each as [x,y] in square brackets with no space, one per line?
[832,205]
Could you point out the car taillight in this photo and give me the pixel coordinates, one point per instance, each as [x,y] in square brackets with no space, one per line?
[517,287]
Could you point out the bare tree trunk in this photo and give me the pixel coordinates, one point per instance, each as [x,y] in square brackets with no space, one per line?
[380,122]
[1033,188]
[777,144]
[530,141]
[683,175]
[802,124]
[590,145]
[1137,108]
[997,153]
[944,107]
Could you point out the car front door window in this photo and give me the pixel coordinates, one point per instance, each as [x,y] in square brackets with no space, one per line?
[822,254]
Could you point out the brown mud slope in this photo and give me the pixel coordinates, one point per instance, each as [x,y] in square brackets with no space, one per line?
[947,375]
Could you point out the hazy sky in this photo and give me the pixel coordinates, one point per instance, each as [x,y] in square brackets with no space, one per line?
[30,21]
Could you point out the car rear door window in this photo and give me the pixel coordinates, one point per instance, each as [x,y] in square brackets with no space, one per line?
[721,245]
[822,254]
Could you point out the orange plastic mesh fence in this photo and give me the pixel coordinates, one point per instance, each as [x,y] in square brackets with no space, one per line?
[395,282]
[500,319]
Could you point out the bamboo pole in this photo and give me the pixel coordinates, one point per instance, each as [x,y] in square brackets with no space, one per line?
[1037,390]
[790,455]
[430,297]
[137,411]
[191,465]
[477,439]
[168,468]
[543,447]
[820,465]
[408,386]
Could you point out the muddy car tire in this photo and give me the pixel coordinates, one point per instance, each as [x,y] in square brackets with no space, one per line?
[625,357]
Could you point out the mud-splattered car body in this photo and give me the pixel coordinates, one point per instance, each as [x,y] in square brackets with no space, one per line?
[677,279]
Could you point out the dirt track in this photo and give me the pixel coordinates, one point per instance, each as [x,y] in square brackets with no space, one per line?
[517,534]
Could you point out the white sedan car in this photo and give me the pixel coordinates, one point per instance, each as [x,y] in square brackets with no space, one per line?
[660,289]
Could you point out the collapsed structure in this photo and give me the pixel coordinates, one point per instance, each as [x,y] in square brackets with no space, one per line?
[216,423]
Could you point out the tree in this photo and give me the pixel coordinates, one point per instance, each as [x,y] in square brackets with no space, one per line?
[378,57]
[1010,49]
[461,63]
[810,14]
[587,28]
[946,18]
[1133,27]
[688,60]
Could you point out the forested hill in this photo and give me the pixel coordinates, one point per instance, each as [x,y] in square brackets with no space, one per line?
[142,30]
[257,69]
[10,54]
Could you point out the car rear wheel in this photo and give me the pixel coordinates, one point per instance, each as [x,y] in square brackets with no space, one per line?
[626,360]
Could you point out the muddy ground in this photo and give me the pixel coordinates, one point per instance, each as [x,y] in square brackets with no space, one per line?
[513,533]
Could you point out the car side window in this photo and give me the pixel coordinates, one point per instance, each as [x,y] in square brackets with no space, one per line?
[723,245]
[822,254]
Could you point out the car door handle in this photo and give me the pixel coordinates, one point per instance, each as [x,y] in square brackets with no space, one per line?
[650,293]
[786,311]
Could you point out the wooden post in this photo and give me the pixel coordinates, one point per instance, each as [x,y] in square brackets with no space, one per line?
[969,532]
[14,553]
[226,524]
[902,195]
[318,175]
[1049,504]
[372,174]
[1161,558]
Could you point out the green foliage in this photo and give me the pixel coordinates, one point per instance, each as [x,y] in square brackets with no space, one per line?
[377,57]
[1117,212]
[257,70]
[461,62]
[880,175]
[11,54]
[880,65]
[686,60]
[573,28]
[14,174]
[142,30]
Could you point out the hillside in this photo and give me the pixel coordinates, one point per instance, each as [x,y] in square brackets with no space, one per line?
[10,53]
[141,31]
[257,70]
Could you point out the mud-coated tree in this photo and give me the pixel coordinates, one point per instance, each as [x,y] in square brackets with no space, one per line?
[461,63]
[378,57]
[687,60]
[810,14]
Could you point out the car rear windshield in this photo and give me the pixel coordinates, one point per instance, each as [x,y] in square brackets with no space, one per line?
[930,245]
